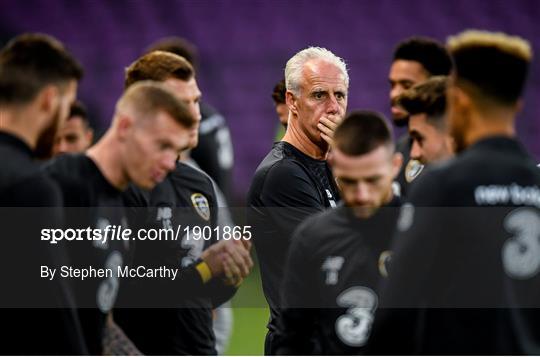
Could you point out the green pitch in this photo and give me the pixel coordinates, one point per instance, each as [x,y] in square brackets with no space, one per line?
[250,313]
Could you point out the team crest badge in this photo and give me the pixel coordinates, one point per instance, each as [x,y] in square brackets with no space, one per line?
[384,261]
[200,203]
[412,170]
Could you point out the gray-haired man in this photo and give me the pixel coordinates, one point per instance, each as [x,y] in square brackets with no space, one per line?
[294,181]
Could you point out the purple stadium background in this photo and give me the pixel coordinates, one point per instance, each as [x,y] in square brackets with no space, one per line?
[243,46]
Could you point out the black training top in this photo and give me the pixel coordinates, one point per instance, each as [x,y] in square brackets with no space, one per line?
[30,202]
[91,201]
[214,153]
[186,198]
[330,291]
[288,187]
[467,251]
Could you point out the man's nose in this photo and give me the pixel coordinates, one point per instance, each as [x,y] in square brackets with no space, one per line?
[168,162]
[333,105]
[196,111]
[61,147]
[362,192]
[395,92]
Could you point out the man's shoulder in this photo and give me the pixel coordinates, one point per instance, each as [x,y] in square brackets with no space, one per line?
[69,167]
[282,180]
[33,190]
[286,177]
[16,165]
[77,177]
[430,187]
[454,181]
[188,172]
[281,161]
[134,196]
[211,119]
[187,177]
[322,226]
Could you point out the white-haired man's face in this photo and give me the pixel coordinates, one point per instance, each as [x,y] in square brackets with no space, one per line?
[322,101]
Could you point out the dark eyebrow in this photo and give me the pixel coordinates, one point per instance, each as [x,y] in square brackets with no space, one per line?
[406,81]
[346,179]
[373,178]
[415,134]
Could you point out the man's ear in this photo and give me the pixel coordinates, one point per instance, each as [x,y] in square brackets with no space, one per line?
[48,100]
[462,97]
[462,100]
[397,162]
[124,126]
[89,136]
[291,101]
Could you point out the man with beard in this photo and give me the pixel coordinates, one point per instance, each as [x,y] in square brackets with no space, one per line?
[75,135]
[337,257]
[149,128]
[294,181]
[415,60]
[38,82]
[466,254]
[425,104]
[186,198]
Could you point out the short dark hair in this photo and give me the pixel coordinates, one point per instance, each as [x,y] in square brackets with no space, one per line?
[158,66]
[428,98]
[78,109]
[149,97]
[31,61]
[431,54]
[177,45]
[361,132]
[278,95]
[496,64]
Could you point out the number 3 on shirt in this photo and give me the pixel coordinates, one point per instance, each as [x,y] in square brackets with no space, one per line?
[108,288]
[521,253]
[354,327]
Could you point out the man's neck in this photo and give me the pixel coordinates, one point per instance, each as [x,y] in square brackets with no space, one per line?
[486,126]
[184,156]
[106,156]
[16,123]
[299,140]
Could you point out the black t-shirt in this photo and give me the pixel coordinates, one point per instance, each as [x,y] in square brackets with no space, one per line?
[330,292]
[45,321]
[288,187]
[186,198]
[214,153]
[466,258]
[91,201]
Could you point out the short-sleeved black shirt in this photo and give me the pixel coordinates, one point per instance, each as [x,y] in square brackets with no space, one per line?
[30,202]
[330,291]
[186,198]
[288,187]
[91,201]
[466,258]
